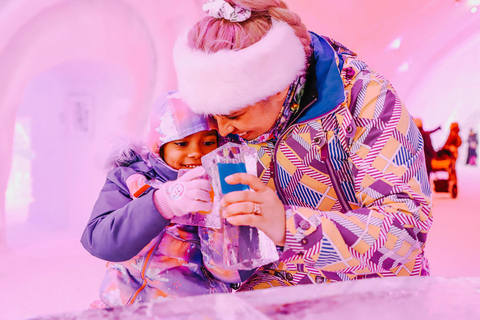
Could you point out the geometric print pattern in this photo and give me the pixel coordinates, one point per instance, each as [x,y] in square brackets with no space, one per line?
[377,155]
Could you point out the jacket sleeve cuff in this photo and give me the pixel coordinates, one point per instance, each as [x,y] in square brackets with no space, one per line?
[161,204]
[303,231]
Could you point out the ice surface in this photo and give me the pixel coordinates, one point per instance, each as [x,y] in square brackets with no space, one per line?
[390,298]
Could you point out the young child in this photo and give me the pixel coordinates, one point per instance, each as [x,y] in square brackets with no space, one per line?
[149,257]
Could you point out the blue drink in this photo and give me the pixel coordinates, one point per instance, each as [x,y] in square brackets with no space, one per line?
[226,169]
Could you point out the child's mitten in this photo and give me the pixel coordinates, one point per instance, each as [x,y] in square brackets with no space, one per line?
[189,193]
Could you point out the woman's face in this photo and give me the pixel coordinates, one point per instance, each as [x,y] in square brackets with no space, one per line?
[252,121]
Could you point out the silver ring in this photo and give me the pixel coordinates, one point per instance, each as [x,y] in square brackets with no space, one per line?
[256,208]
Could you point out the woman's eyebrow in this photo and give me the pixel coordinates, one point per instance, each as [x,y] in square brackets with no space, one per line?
[234,114]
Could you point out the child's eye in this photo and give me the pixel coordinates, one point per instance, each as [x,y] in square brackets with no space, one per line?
[181,143]
[209,143]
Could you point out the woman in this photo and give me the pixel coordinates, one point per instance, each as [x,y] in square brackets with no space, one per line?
[342,187]
[430,152]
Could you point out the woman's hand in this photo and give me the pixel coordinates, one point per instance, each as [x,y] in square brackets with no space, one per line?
[261,209]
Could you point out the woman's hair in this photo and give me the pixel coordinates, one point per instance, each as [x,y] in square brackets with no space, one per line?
[211,34]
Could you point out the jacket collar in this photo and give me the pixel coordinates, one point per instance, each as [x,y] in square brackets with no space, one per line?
[324,88]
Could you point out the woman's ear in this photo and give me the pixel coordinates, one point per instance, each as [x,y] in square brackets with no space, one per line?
[212,122]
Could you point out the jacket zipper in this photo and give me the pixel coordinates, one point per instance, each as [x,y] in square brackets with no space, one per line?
[142,275]
[145,267]
[336,184]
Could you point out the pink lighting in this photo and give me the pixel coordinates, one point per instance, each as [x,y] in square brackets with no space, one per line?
[395,44]
[75,74]
[19,189]
[403,67]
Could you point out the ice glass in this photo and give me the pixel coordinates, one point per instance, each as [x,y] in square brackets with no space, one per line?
[244,247]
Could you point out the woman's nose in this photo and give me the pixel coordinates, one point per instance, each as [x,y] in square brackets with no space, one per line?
[224,126]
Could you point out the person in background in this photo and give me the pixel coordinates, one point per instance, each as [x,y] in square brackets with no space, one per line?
[342,187]
[130,226]
[472,148]
[430,152]
[453,142]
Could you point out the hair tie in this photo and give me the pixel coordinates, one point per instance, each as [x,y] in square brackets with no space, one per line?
[220,9]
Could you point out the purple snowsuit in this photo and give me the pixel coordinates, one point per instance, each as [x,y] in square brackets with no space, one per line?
[149,257]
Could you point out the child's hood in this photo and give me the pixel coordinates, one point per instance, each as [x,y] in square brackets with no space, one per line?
[172,119]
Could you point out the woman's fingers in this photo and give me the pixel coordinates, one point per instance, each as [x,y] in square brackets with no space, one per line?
[270,218]
[241,196]
[260,208]
[252,181]
[246,220]
[237,208]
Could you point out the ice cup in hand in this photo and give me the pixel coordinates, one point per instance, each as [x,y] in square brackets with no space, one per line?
[244,247]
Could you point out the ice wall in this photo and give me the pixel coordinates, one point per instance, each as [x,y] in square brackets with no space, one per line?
[101,60]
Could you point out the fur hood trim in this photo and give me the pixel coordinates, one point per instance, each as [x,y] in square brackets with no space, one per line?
[122,151]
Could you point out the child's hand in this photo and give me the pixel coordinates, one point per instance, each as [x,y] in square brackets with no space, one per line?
[190,193]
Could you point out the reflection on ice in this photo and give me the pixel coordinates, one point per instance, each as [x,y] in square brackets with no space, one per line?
[390,298]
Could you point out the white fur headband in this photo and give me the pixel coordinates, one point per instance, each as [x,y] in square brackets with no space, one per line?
[228,80]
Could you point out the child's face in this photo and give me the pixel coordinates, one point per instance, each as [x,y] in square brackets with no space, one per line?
[186,153]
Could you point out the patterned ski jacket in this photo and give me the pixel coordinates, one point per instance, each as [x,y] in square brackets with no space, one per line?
[350,169]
